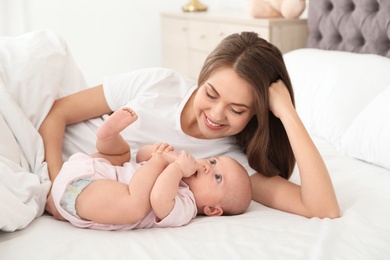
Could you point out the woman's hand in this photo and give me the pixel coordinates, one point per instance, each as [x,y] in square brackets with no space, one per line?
[84,105]
[51,208]
[315,197]
[280,101]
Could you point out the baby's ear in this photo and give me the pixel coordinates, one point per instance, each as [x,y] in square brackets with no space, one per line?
[213,211]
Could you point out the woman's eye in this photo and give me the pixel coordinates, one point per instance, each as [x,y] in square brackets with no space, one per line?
[210,96]
[218,177]
[235,111]
[213,162]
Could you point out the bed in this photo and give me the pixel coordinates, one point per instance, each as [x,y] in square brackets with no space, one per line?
[342,86]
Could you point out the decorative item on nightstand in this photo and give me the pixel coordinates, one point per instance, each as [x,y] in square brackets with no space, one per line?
[276,8]
[194,6]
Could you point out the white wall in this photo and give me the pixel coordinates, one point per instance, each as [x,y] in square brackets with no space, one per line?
[105,36]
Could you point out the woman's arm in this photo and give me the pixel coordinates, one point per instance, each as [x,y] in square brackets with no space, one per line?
[65,111]
[316,196]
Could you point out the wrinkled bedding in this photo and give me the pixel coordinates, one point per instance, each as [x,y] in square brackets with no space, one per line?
[35,69]
[342,99]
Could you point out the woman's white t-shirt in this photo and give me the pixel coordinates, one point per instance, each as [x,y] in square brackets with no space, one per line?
[158,96]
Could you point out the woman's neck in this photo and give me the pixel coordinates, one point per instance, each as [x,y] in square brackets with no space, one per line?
[188,121]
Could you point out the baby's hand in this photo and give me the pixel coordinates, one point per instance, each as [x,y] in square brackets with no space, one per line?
[164,151]
[162,147]
[186,163]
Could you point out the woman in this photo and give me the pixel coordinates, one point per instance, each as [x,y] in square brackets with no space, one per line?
[243,104]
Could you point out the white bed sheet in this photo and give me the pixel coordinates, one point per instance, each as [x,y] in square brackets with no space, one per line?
[363,231]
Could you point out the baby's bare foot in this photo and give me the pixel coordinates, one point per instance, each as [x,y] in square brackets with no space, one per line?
[118,121]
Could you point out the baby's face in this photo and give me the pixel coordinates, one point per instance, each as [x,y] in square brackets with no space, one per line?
[213,179]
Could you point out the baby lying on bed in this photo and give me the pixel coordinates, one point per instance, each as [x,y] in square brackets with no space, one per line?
[167,189]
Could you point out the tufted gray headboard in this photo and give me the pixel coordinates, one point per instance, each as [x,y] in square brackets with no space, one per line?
[361,26]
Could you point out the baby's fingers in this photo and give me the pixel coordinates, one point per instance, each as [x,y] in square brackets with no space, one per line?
[187,162]
[163,147]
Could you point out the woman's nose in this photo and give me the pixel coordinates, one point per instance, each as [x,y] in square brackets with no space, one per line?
[218,113]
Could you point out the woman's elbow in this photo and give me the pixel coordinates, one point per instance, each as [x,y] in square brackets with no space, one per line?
[331,213]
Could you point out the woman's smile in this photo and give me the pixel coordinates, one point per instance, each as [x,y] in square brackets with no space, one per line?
[212,125]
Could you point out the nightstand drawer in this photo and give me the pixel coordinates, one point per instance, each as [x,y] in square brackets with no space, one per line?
[187,38]
[196,60]
[174,37]
[200,35]
[174,32]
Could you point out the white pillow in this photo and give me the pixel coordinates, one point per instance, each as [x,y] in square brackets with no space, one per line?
[37,68]
[333,87]
[368,137]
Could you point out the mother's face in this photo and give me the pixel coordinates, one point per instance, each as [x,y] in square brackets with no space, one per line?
[224,104]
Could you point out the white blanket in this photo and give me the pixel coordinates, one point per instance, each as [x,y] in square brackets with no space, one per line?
[23,185]
[35,69]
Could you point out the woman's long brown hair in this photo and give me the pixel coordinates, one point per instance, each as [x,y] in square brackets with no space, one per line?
[264,139]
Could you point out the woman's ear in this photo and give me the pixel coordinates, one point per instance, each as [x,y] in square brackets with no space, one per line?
[212,211]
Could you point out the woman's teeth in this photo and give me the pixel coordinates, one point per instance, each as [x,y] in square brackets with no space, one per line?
[211,123]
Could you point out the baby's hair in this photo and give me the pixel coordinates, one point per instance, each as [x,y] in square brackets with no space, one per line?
[240,195]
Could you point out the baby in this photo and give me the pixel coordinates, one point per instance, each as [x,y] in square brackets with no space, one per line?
[167,189]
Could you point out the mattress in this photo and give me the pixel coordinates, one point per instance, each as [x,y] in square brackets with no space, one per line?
[363,231]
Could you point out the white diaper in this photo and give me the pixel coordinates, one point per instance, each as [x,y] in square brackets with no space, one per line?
[68,200]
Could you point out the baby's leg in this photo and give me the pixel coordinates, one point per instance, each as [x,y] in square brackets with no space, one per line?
[109,141]
[110,202]
[117,122]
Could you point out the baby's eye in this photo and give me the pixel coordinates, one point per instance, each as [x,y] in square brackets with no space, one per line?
[218,177]
[213,162]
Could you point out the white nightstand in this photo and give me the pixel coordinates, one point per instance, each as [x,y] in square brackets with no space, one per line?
[187,38]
